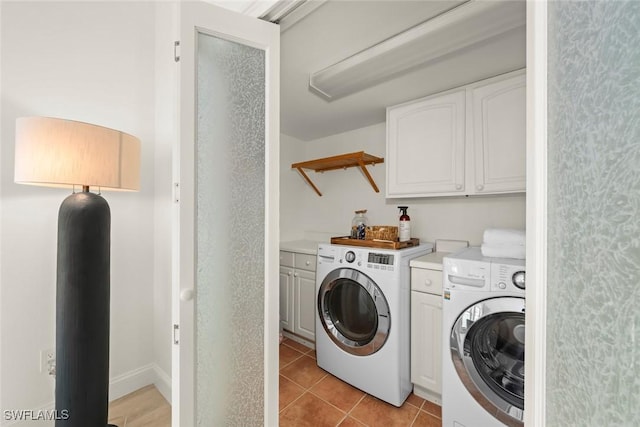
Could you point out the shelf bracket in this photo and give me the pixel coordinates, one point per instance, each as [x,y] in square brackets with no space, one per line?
[368,175]
[306,177]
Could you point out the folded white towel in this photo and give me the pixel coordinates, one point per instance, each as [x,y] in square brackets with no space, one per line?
[503,250]
[504,236]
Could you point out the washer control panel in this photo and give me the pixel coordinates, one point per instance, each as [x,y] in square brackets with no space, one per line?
[468,269]
[366,259]
[508,277]
[376,258]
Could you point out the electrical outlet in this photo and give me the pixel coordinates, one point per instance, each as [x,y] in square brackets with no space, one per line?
[47,361]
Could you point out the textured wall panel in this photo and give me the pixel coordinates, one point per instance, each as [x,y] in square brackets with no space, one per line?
[593,331]
[230,233]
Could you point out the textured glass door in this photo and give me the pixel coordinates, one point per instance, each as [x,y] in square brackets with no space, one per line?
[226,356]
[230,204]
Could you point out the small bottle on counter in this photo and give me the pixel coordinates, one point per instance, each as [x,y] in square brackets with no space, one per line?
[404,227]
[359,224]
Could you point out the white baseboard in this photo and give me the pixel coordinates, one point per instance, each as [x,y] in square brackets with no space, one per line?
[128,382]
[133,380]
[293,337]
[162,382]
[119,386]
[429,395]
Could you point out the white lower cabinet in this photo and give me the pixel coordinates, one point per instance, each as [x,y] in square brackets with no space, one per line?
[426,359]
[426,333]
[286,298]
[297,293]
[304,291]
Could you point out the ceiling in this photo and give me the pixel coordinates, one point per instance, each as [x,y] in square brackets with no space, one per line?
[341,28]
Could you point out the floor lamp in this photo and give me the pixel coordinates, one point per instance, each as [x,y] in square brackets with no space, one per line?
[57,152]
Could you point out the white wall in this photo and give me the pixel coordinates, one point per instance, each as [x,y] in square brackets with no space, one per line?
[291,188]
[304,214]
[166,131]
[93,62]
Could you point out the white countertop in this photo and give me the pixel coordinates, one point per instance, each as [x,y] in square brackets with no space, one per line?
[309,247]
[432,261]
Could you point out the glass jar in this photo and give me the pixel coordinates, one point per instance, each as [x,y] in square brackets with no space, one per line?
[359,224]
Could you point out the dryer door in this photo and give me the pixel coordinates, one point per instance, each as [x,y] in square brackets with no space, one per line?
[354,311]
[487,348]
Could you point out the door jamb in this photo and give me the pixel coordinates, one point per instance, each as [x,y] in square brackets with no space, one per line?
[536,214]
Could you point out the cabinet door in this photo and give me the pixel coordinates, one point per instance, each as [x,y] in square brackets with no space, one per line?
[426,337]
[425,146]
[305,304]
[499,136]
[286,298]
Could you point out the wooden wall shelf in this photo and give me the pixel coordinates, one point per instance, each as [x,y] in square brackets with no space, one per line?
[358,159]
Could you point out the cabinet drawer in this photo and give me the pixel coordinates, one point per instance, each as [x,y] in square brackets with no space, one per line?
[286,258]
[429,281]
[305,262]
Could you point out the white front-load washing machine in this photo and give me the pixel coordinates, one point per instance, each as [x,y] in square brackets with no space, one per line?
[483,313]
[362,317]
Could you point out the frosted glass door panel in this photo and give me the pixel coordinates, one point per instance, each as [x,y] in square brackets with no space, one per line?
[230,224]
[593,320]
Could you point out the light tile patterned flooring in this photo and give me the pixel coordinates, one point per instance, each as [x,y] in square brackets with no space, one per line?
[311,397]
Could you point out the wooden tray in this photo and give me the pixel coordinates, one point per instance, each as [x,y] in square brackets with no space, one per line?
[381,244]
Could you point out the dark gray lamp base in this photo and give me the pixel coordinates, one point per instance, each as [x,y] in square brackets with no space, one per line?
[82,311]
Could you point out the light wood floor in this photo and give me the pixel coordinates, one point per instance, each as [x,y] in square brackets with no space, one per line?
[145,407]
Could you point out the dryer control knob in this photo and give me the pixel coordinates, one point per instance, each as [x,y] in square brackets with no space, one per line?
[502,285]
[350,256]
[518,279]
[359,263]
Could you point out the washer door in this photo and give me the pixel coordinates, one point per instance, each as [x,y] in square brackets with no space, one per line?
[487,348]
[354,311]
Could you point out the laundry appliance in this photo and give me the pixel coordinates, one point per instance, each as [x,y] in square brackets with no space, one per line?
[483,314]
[363,315]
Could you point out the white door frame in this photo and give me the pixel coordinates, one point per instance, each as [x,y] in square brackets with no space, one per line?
[262,35]
[536,214]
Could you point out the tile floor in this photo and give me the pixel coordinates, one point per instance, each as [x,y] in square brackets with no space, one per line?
[311,397]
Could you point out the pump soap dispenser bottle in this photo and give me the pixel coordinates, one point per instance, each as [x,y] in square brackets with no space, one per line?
[405,225]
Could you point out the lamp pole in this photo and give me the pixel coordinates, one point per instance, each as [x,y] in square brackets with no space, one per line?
[82,311]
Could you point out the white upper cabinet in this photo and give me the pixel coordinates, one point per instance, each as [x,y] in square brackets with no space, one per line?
[498,135]
[467,141]
[425,146]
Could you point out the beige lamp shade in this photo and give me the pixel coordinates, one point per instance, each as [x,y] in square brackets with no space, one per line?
[57,152]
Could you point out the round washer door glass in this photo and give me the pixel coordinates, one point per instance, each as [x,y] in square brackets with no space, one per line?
[487,348]
[353,311]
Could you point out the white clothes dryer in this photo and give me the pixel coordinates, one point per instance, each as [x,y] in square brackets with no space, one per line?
[363,315]
[483,340]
